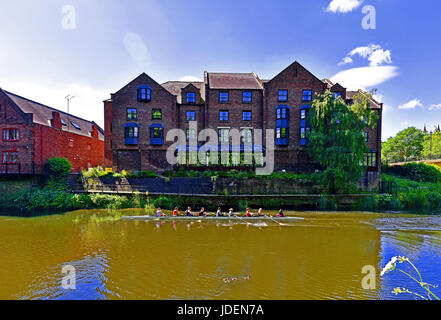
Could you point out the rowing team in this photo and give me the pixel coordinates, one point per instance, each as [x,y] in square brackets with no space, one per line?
[202,213]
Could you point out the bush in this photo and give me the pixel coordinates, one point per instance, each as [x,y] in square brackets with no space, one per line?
[58,167]
[327,204]
[97,172]
[416,171]
[434,200]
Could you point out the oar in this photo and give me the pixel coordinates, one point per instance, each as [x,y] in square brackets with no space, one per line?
[248,223]
[279,223]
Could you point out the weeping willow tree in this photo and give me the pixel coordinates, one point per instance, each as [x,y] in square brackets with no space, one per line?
[337,141]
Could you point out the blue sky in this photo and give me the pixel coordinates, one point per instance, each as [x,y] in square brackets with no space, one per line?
[114,41]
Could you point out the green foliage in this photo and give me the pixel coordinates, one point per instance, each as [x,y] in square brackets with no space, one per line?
[58,167]
[406,145]
[432,145]
[420,172]
[336,140]
[166,202]
[325,203]
[97,172]
[243,205]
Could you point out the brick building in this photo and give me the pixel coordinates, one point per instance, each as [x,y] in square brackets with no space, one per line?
[32,133]
[138,116]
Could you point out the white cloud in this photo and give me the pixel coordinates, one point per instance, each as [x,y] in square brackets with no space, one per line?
[346,60]
[435,107]
[373,52]
[190,79]
[343,6]
[379,57]
[364,51]
[405,124]
[411,104]
[365,77]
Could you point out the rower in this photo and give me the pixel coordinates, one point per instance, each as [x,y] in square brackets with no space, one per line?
[219,212]
[260,213]
[248,214]
[188,212]
[175,212]
[280,214]
[202,212]
[230,213]
[159,213]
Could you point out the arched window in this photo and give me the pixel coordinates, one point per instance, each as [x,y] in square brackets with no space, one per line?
[144,93]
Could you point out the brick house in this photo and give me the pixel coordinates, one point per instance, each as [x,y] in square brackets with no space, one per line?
[223,101]
[32,133]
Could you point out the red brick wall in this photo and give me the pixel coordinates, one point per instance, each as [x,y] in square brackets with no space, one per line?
[127,98]
[235,107]
[80,150]
[295,79]
[13,118]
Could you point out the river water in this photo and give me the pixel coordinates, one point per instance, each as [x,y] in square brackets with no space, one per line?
[320,257]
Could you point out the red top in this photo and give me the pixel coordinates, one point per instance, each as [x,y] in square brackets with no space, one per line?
[175,213]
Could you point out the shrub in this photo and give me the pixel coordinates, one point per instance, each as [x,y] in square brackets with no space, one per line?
[434,199]
[243,205]
[97,172]
[416,171]
[58,167]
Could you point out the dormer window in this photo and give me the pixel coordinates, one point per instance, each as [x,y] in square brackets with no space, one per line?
[144,93]
[191,97]
[76,126]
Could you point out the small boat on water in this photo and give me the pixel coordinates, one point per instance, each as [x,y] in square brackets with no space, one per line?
[208,218]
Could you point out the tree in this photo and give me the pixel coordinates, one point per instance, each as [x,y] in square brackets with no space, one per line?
[406,145]
[336,139]
[432,146]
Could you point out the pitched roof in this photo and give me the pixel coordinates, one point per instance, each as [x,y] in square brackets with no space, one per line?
[374,105]
[234,81]
[42,114]
[175,87]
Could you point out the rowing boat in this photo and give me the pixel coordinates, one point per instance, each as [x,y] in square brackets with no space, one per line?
[208,218]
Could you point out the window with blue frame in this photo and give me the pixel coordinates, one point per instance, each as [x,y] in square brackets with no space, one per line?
[246,115]
[131,114]
[223,97]
[304,124]
[190,116]
[191,97]
[223,135]
[282,125]
[144,93]
[223,115]
[247,97]
[131,134]
[307,95]
[190,134]
[157,134]
[336,94]
[283,95]
[156,114]
[281,113]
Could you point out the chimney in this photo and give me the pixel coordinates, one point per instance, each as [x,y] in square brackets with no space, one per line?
[56,120]
[94,132]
